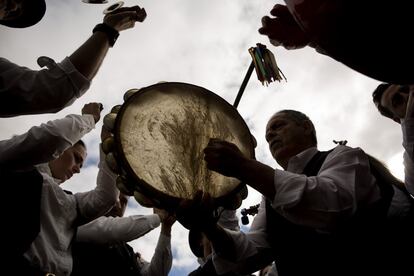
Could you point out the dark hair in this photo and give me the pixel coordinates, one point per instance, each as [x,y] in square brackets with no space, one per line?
[376,98]
[299,118]
[383,174]
[80,143]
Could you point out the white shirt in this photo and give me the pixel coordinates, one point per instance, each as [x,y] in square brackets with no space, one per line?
[34,147]
[51,248]
[343,181]
[112,230]
[26,91]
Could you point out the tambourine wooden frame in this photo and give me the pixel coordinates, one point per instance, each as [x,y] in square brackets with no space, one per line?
[170,201]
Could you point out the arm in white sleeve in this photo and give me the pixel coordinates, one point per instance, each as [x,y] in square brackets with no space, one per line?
[161,261]
[25,91]
[111,230]
[408,143]
[46,142]
[252,249]
[324,200]
[100,200]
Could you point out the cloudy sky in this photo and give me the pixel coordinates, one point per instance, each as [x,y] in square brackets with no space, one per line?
[203,42]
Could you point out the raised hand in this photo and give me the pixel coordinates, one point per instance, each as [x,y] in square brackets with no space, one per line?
[125,18]
[283,30]
[93,109]
[223,157]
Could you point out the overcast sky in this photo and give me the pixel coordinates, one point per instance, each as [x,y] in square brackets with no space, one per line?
[203,42]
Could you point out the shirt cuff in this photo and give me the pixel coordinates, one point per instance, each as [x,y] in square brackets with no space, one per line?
[78,80]
[154,220]
[289,189]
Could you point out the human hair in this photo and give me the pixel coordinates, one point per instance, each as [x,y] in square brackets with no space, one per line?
[383,174]
[80,143]
[376,98]
[299,118]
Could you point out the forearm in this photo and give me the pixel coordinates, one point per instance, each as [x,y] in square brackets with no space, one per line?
[221,241]
[112,230]
[89,56]
[161,261]
[258,176]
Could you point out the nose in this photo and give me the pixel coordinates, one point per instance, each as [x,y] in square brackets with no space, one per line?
[76,169]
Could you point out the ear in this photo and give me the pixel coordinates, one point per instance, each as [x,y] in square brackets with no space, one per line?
[307,125]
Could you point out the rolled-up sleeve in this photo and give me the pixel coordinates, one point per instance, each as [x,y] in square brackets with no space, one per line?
[408,144]
[161,261]
[46,142]
[111,230]
[97,202]
[25,91]
[322,201]
[247,246]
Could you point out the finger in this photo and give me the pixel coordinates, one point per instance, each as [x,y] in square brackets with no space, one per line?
[126,9]
[280,11]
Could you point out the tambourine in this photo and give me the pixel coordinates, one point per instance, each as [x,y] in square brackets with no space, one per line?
[113,7]
[159,135]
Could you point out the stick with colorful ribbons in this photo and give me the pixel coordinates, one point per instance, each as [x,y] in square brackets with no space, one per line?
[266,69]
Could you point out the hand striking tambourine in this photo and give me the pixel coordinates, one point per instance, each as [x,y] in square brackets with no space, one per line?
[159,135]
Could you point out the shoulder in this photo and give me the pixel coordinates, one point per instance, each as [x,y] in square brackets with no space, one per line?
[347,154]
[341,149]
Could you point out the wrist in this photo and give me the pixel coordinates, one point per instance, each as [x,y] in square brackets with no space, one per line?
[110,32]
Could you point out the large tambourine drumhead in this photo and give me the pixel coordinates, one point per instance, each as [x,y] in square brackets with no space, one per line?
[160,134]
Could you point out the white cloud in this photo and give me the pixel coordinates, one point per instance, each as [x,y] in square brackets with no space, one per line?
[203,42]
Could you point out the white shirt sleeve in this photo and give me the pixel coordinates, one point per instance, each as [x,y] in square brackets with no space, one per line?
[25,91]
[408,143]
[44,143]
[161,261]
[97,202]
[111,230]
[315,201]
[246,245]
[321,201]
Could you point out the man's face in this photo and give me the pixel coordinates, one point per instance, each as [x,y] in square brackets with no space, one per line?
[285,137]
[395,99]
[69,163]
[10,9]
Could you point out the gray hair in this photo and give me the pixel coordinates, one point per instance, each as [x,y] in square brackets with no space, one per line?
[299,118]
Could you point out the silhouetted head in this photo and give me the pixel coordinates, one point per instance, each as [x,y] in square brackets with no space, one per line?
[391,100]
[21,13]
[288,133]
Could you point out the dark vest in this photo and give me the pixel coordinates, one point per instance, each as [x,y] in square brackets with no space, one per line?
[21,199]
[96,259]
[353,249]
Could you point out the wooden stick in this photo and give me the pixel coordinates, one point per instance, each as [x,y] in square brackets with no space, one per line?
[244,84]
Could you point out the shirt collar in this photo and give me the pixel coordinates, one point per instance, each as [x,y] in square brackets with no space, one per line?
[45,169]
[298,162]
